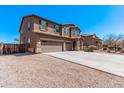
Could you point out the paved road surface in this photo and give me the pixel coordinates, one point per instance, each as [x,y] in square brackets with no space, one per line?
[106,62]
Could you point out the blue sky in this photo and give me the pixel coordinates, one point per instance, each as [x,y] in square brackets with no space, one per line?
[101,20]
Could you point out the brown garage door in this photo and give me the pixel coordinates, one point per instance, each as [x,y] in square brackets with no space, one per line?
[68,46]
[51,46]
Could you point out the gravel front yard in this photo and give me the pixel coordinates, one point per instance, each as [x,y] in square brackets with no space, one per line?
[40,70]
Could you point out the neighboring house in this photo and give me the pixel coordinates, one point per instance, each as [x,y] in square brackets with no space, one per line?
[43,35]
[91,40]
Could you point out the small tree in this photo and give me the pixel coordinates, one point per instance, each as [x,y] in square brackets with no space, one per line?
[114,41]
[109,40]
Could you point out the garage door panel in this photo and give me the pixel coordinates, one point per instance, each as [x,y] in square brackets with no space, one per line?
[51,46]
[68,46]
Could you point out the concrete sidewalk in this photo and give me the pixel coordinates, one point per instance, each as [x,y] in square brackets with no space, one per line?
[110,63]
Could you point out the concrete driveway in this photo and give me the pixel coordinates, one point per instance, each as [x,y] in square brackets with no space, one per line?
[110,63]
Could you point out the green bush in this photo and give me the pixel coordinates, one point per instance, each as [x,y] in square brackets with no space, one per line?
[105,46]
[92,47]
[89,49]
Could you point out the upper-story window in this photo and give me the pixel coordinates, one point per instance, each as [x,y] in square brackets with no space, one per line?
[29,25]
[43,25]
[75,33]
[29,39]
[57,28]
[66,30]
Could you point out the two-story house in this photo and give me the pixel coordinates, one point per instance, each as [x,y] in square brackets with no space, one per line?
[91,39]
[43,35]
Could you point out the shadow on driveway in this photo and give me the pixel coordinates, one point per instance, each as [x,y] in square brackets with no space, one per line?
[18,54]
[23,54]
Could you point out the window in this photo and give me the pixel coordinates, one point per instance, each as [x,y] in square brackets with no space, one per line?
[29,25]
[75,33]
[78,34]
[40,22]
[29,39]
[43,25]
[56,27]
[47,24]
[66,30]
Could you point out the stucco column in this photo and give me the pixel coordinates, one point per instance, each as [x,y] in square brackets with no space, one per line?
[64,46]
[78,44]
[81,44]
[1,48]
[38,47]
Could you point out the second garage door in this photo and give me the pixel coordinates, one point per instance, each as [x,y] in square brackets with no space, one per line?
[68,46]
[51,46]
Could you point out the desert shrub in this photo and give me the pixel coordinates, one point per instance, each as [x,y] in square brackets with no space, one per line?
[89,49]
[111,48]
[104,48]
[119,49]
[105,45]
[92,47]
